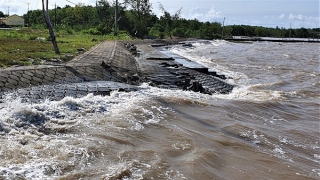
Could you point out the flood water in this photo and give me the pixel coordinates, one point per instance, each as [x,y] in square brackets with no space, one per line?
[267,128]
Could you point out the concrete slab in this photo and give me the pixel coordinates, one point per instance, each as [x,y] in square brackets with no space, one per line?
[110,66]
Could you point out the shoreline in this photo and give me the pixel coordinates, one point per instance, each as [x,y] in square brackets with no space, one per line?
[288,40]
[109,66]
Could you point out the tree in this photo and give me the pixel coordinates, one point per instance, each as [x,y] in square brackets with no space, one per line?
[170,19]
[1,14]
[136,17]
[49,25]
[302,33]
[105,13]
[259,31]
[228,31]
[141,11]
[156,31]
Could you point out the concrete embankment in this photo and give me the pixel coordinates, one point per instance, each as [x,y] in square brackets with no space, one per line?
[107,67]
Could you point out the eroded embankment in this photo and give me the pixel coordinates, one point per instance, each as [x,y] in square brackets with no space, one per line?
[107,67]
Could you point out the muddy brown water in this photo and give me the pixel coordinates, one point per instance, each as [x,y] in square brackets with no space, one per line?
[267,128]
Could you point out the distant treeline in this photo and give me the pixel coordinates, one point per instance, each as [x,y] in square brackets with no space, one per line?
[136,18]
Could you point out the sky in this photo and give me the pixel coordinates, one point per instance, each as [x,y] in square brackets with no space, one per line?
[266,13]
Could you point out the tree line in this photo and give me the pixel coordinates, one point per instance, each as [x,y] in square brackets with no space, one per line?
[137,19]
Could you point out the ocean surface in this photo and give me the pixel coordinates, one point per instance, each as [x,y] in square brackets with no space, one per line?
[267,128]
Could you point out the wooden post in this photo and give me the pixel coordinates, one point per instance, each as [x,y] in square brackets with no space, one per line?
[290,32]
[28,14]
[116,19]
[223,28]
[49,25]
[55,14]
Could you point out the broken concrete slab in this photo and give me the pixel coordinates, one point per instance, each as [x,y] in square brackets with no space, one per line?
[107,67]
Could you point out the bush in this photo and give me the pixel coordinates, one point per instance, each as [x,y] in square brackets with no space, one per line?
[156,31]
[162,35]
[2,65]
[92,31]
[124,35]
[13,34]
[103,29]
[24,63]
[48,38]
[217,36]
[37,62]
[180,32]
[69,31]
[32,37]
[39,26]
[19,63]
[193,34]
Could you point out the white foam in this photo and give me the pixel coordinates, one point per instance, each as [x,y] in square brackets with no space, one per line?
[243,89]
[238,93]
[316,171]
[194,55]
[134,169]
[69,111]
[27,171]
[42,158]
[119,106]
[133,109]
[205,43]
[247,93]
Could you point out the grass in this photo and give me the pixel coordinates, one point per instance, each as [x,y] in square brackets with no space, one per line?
[27,46]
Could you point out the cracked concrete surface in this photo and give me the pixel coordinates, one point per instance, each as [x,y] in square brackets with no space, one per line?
[106,67]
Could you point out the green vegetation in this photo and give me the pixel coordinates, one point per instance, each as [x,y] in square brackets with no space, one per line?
[138,20]
[30,46]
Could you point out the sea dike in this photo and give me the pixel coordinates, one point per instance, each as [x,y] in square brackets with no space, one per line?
[109,66]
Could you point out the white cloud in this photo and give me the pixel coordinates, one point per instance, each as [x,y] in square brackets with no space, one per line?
[282,16]
[269,17]
[194,13]
[13,5]
[201,15]
[299,13]
[213,13]
[305,22]
[20,7]
[296,17]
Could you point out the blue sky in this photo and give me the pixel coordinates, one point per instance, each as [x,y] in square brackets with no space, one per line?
[267,13]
